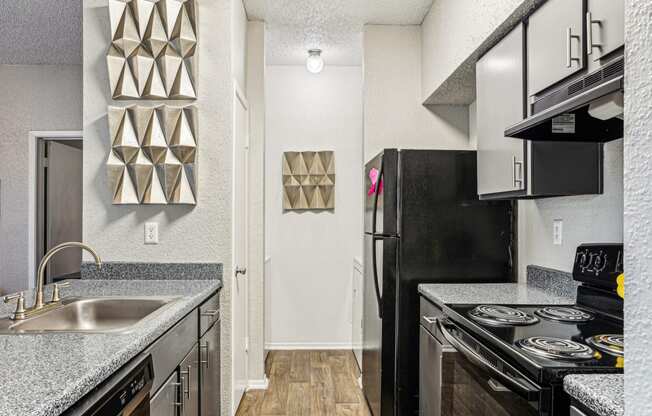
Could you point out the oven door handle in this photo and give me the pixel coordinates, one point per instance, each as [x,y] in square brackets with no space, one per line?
[518,386]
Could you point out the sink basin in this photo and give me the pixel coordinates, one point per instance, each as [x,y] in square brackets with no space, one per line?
[99,315]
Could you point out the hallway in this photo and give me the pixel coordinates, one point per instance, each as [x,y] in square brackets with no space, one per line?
[308,383]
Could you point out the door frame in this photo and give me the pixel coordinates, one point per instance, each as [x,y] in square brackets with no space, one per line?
[239,95]
[32,186]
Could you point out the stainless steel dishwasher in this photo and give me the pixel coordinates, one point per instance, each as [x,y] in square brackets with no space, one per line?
[435,353]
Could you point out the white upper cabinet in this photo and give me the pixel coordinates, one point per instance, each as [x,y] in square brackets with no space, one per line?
[499,86]
[555,43]
[605,29]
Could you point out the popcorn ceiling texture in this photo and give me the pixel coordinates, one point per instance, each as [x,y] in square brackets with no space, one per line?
[335,26]
[638,206]
[455,34]
[40,32]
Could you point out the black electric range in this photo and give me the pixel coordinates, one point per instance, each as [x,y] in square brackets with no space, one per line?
[523,352]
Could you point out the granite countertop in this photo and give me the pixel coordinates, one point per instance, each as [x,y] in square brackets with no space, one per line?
[44,374]
[494,293]
[602,393]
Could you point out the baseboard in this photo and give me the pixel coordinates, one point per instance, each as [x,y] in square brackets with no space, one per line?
[258,384]
[309,346]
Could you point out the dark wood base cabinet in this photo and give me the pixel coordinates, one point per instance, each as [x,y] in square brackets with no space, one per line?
[193,388]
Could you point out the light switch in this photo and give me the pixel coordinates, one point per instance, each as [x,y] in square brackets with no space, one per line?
[557,232]
[151,233]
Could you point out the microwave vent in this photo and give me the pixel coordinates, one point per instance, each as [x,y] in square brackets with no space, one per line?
[614,68]
[575,87]
[594,78]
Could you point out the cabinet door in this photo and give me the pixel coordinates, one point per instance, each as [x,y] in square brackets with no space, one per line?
[164,402]
[605,27]
[555,43]
[499,85]
[189,378]
[209,358]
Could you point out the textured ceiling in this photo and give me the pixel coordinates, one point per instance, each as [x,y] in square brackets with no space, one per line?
[335,26]
[40,31]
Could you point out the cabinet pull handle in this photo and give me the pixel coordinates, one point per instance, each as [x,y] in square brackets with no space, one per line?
[430,319]
[186,375]
[569,47]
[589,33]
[207,361]
[179,393]
[210,313]
[517,173]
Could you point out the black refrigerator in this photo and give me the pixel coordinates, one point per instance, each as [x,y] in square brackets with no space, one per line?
[423,223]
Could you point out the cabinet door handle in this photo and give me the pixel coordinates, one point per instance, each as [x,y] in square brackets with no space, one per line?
[430,319]
[207,361]
[186,374]
[589,33]
[210,313]
[517,173]
[178,392]
[569,47]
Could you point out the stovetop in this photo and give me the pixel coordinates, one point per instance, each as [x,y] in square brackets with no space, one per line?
[536,327]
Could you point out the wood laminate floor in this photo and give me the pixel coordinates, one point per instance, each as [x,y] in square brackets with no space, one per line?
[308,383]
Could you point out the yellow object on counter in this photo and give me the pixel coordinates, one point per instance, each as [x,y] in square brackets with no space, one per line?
[621,285]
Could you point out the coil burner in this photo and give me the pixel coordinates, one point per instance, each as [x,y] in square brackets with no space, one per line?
[556,348]
[497,315]
[610,343]
[564,314]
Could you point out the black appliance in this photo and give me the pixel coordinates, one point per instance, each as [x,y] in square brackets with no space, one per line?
[126,393]
[512,359]
[424,223]
[572,111]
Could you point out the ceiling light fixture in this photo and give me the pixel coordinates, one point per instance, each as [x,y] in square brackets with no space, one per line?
[315,63]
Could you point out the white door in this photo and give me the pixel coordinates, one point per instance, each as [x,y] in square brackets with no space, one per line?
[239,275]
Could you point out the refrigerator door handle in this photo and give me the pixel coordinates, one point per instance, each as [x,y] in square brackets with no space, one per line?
[379,181]
[374,257]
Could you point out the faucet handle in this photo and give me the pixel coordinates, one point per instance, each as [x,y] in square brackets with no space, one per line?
[20,304]
[55,291]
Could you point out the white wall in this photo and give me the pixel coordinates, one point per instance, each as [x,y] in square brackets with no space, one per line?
[638,207]
[587,219]
[312,252]
[34,97]
[453,30]
[393,114]
[201,233]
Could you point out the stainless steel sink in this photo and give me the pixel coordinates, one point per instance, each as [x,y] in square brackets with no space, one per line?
[98,314]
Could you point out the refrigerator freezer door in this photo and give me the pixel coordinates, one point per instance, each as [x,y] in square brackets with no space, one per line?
[371,187]
[381,185]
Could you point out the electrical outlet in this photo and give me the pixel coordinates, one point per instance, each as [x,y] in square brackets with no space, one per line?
[151,233]
[557,232]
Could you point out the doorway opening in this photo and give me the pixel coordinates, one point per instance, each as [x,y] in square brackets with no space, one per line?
[57,213]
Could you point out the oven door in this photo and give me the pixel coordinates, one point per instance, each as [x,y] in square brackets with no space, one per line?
[457,380]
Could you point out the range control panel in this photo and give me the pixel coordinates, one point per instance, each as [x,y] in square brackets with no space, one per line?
[598,264]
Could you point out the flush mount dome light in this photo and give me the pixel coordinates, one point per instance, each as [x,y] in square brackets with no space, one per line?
[314,63]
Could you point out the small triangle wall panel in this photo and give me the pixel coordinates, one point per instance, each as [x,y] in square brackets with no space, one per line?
[308,180]
[153,156]
[153,50]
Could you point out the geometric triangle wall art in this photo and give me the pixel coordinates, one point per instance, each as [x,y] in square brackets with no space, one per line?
[152,55]
[153,155]
[308,180]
